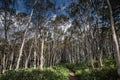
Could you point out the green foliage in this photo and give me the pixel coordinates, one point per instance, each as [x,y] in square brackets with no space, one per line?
[109,63]
[98,74]
[54,73]
[60,72]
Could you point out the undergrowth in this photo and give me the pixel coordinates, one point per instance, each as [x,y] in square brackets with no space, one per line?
[60,72]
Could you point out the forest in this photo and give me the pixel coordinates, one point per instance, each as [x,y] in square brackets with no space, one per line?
[59,40]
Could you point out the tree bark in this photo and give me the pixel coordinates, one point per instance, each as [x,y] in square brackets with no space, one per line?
[23,42]
[27,60]
[21,51]
[11,62]
[42,56]
[4,63]
[117,55]
[35,54]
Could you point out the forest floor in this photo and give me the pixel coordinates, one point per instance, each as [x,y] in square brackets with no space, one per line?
[60,72]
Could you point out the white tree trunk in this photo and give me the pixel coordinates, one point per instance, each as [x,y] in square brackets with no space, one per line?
[35,54]
[20,51]
[4,63]
[23,42]
[27,60]
[117,55]
[11,60]
[42,56]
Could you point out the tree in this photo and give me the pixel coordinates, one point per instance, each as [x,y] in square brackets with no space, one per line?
[7,22]
[117,54]
[21,49]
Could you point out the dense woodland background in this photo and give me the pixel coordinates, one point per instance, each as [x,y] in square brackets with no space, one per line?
[45,35]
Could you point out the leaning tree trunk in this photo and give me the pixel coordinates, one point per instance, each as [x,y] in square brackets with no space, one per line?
[117,55]
[23,42]
[28,58]
[21,51]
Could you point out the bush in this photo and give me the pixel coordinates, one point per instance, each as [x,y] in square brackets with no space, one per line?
[60,72]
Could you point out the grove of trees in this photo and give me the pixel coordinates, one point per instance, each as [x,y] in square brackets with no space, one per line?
[46,34]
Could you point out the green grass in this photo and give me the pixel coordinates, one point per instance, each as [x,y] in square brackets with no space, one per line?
[60,72]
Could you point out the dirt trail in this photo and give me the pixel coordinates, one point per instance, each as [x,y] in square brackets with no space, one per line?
[72,75]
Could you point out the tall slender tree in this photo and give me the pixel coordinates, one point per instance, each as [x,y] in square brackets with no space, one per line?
[117,54]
